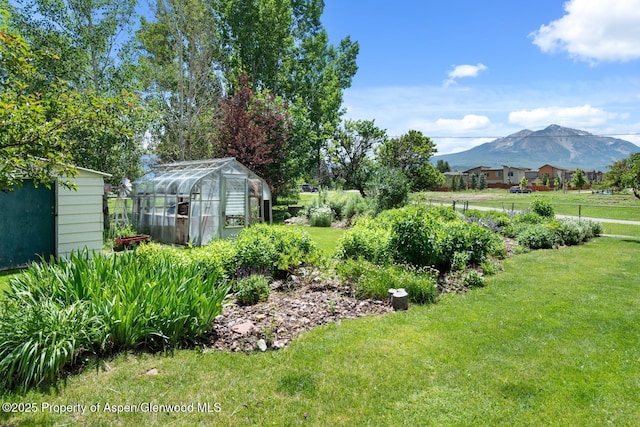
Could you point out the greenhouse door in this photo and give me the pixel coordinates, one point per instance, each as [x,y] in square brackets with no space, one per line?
[235,206]
[27,224]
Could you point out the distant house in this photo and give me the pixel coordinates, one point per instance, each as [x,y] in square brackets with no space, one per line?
[43,222]
[555,171]
[513,174]
[493,176]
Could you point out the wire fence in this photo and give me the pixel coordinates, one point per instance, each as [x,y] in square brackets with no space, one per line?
[580,210]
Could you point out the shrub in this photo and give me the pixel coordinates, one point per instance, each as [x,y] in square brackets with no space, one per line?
[392,189]
[542,207]
[252,289]
[374,281]
[573,232]
[272,250]
[414,238]
[321,217]
[536,236]
[216,260]
[367,239]
[473,279]
[473,239]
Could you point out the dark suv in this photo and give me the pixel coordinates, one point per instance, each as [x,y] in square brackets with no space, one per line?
[308,188]
[518,189]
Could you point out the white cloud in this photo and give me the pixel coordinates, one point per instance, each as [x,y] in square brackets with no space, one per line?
[467,123]
[461,71]
[582,116]
[594,31]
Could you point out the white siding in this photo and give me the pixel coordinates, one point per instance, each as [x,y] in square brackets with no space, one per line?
[79,214]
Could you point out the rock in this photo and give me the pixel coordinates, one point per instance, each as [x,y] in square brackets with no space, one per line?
[262,345]
[152,371]
[244,328]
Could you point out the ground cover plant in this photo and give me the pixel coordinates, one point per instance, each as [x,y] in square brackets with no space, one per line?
[552,340]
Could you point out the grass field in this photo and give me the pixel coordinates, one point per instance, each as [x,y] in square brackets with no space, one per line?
[552,340]
[584,203]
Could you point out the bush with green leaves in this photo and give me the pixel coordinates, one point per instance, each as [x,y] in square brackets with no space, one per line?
[476,241]
[473,279]
[321,216]
[391,189]
[573,232]
[542,207]
[368,239]
[121,302]
[421,237]
[251,290]
[272,250]
[216,259]
[415,237]
[536,236]
[374,281]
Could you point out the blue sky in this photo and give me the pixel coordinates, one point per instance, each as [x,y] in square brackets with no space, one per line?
[464,72]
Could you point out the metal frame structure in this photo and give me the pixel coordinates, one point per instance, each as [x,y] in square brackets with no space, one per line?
[195,202]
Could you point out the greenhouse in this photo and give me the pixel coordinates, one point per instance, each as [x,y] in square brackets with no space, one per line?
[195,202]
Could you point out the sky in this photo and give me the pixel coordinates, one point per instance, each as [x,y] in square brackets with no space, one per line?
[464,72]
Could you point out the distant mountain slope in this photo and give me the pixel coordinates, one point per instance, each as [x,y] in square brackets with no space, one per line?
[555,145]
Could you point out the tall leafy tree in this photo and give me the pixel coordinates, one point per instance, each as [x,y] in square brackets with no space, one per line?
[86,34]
[83,39]
[283,47]
[256,131]
[38,118]
[625,173]
[180,64]
[352,148]
[579,179]
[411,153]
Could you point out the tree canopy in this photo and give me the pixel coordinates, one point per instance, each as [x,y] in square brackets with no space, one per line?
[40,117]
[626,173]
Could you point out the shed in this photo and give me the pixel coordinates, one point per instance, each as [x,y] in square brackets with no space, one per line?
[43,222]
[195,202]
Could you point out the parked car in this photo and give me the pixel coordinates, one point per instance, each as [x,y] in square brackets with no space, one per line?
[518,189]
[308,188]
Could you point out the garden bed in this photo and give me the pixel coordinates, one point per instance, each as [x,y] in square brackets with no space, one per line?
[295,306]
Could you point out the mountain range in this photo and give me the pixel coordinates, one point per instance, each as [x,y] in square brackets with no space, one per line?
[554,145]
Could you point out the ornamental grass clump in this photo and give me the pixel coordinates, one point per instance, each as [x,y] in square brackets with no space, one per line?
[95,303]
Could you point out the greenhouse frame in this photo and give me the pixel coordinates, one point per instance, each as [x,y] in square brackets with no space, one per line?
[195,202]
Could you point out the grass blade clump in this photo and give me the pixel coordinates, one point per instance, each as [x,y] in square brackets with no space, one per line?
[101,303]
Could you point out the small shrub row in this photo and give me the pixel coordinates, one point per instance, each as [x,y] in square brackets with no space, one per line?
[548,234]
[261,248]
[420,237]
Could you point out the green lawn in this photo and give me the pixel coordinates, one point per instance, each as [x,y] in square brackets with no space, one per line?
[584,203]
[326,238]
[552,340]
